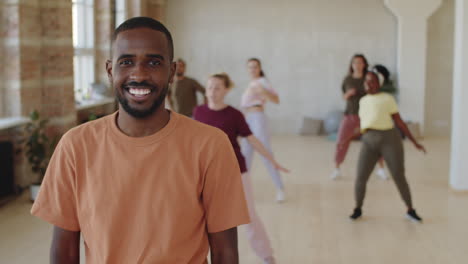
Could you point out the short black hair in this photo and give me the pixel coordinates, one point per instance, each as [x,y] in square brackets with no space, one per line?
[146,22]
[383,70]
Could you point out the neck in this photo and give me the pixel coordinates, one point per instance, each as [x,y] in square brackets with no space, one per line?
[217,106]
[135,127]
[181,77]
[357,75]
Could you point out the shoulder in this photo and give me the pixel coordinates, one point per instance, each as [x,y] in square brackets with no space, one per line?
[387,97]
[234,110]
[88,131]
[200,112]
[347,78]
[365,98]
[76,140]
[191,80]
[235,113]
[264,82]
[202,107]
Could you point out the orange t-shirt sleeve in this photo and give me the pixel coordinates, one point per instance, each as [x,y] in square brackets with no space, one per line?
[223,192]
[56,201]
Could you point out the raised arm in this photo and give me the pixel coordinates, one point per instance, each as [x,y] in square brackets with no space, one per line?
[199,88]
[223,247]
[402,125]
[350,93]
[269,95]
[272,97]
[65,247]
[258,146]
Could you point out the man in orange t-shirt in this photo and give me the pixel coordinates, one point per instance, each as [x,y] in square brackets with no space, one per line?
[143,185]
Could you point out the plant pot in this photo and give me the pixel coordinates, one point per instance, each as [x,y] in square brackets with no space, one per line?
[34,190]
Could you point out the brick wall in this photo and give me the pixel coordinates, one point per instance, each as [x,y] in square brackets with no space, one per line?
[36,66]
[38,59]
[156,9]
[150,8]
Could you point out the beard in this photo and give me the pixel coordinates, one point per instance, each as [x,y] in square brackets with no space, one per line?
[141,114]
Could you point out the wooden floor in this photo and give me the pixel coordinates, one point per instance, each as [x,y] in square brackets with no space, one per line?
[313,226]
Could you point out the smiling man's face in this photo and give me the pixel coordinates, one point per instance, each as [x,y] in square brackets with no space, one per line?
[141,70]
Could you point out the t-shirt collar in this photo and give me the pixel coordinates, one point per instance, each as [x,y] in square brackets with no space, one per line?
[143,141]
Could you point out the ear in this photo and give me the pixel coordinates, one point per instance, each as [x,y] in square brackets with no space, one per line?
[172,70]
[109,70]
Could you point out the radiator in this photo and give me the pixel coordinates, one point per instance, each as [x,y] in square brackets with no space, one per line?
[7,183]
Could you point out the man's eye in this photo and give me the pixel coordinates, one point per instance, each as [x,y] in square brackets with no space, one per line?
[155,62]
[126,62]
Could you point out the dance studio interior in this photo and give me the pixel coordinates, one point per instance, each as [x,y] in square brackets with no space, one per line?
[346,118]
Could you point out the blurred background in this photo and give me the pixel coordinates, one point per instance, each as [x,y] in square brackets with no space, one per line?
[53,53]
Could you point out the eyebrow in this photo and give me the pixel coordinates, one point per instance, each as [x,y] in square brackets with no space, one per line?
[126,56]
[156,56]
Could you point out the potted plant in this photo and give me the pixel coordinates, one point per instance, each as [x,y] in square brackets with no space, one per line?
[38,148]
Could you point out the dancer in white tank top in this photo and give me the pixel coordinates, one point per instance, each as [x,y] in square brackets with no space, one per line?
[257,94]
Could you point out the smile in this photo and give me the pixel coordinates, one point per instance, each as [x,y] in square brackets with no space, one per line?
[140,92]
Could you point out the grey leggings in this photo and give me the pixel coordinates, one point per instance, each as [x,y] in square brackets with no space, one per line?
[258,123]
[376,144]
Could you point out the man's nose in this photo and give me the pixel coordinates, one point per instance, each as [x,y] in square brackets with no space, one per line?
[139,73]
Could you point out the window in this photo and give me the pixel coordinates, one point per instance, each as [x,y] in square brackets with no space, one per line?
[83,42]
[120,14]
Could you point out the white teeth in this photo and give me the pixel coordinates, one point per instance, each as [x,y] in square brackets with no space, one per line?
[139,91]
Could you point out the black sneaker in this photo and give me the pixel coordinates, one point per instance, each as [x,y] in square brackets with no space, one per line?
[413,216]
[356,214]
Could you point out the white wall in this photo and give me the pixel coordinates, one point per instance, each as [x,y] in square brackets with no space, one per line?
[439,75]
[412,19]
[305,46]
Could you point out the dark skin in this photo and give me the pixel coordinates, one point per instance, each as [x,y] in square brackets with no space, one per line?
[65,247]
[141,55]
[372,87]
[223,247]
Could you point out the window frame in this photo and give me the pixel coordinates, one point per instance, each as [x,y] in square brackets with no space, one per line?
[84,48]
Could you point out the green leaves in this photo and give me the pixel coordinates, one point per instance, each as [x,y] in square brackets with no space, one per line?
[34,115]
[92,117]
[37,145]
